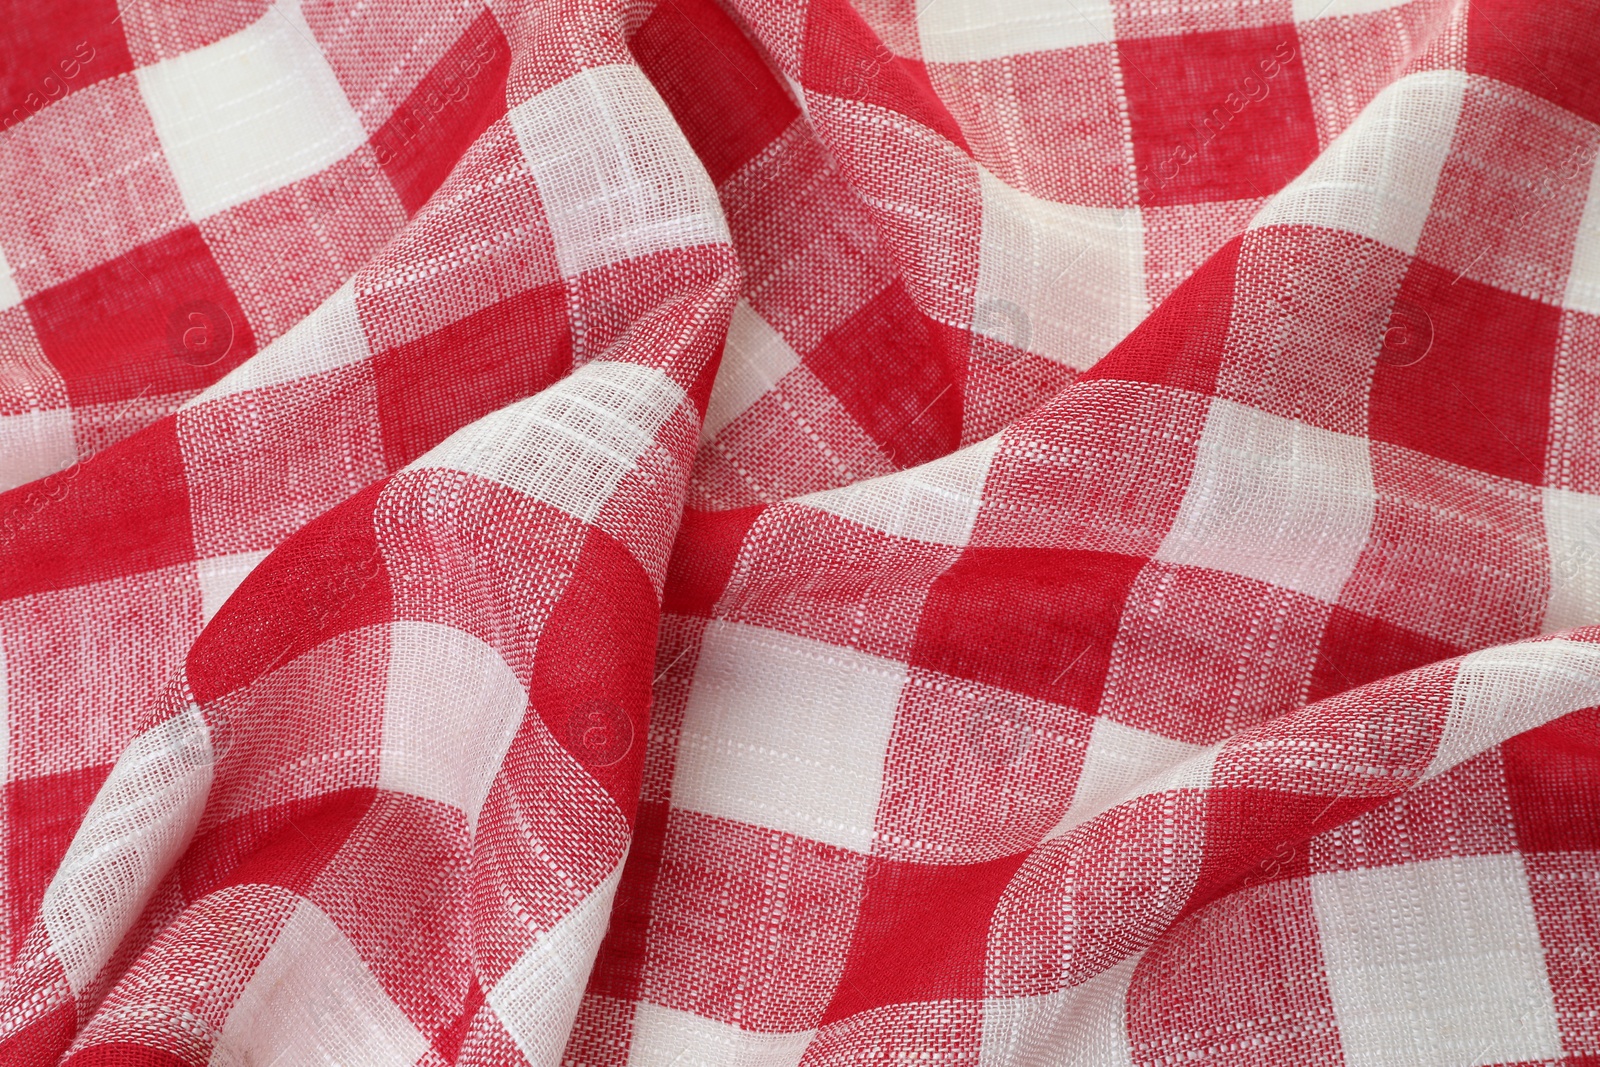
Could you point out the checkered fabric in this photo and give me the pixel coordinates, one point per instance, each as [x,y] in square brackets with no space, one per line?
[793,533]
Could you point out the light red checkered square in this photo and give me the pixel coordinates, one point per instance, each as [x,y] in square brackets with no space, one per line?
[1135,443]
[1179,238]
[1572,461]
[749,926]
[807,244]
[1463,812]
[1264,1001]
[36,423]
[327,224]
[1161,18]
[380,51]
[1311,310]
[88,198]
[1511,193]
[244,507]
[1436,963]
[936,237]
[75,694]
[1202,654]
[956,746]
[1045,122]
[1355,49]
[1566,898]
[1583,278]
[1454,554]
[249,113]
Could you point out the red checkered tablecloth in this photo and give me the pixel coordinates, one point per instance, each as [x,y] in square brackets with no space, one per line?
[785,533]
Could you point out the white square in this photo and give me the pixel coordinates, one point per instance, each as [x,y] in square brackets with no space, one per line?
[1307,10]
[956,31]
[220,576]
[1436,964]
[10,295]
[312,1000]
[1275,500]
[616,176]
[327,339]
[1062,281]
[250,113]
[537,999]
[1124,762]
[936,503]
[1504,690]
[665,1037]
[1572,535]
[1378,177]
[450,712]
[1090,1019]
[571,445]
[1583,280]
[755,358]
[32,446]
[787,733]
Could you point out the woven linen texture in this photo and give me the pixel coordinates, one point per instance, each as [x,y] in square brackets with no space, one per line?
[795,533]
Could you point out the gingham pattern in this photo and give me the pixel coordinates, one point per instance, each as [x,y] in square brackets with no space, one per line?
[994,532]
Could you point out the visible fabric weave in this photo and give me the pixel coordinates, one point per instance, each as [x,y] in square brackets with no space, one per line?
[1012,533]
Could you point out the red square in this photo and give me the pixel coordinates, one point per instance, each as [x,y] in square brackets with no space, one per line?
[1480,397]
[156,320]
[698,574]
[844,58]
[120,512]
[913,412]
[428,133]
[726,100]
[749,926]
[1242,982]
[921,933]
[55,49]
[1357,648]
[1217,116]
[1553,778]
[1039,621]
[1547,49]
[1201,654]
[431,387]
